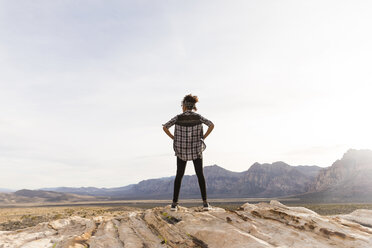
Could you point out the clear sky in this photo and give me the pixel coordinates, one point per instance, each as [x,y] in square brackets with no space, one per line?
[85,86]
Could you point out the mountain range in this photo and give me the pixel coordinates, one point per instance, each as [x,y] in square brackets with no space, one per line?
[260,180]
[347,180]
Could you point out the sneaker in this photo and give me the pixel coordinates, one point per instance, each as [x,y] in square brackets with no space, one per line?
[206,206]
[174,206]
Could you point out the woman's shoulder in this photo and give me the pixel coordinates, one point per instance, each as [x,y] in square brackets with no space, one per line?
[198,114]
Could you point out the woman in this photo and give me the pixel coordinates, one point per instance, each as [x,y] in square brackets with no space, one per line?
[188,144]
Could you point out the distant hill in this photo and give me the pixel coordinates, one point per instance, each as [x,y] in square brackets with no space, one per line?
[41,196]
[4,190]
[92,191]
[347,180]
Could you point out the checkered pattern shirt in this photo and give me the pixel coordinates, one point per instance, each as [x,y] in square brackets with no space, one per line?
[188,143]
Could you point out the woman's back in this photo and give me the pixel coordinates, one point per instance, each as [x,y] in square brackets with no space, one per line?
[188,141]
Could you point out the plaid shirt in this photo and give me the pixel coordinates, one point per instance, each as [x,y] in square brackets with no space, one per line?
[188,141]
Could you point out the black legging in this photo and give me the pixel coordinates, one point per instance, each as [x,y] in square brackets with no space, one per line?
[181,165]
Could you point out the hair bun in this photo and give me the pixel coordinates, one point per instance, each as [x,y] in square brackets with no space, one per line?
[189,101]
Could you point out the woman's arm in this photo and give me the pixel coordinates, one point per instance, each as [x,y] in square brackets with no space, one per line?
[166,130]
[210,128]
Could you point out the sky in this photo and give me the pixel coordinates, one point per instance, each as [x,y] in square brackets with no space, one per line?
[85,86]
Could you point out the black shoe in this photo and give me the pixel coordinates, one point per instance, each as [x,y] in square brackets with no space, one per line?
[174,206]
[206,206]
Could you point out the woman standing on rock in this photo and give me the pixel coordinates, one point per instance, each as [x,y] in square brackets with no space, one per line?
[188,144]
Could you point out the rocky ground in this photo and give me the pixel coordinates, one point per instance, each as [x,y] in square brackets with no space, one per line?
[252,225]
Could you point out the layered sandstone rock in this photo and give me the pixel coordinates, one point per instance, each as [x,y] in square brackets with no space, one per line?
[253,225]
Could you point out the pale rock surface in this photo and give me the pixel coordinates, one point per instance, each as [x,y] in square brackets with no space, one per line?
[253,225]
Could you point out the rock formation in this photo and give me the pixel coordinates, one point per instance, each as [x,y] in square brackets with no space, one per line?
[276,179]
[253,225]
[347,180]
